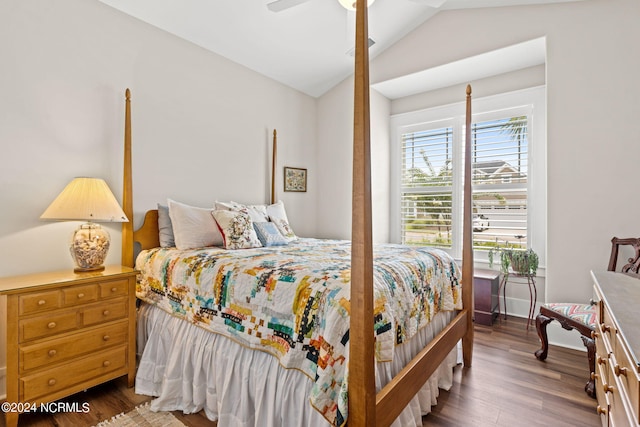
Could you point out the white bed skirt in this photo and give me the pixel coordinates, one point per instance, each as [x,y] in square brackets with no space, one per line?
[189,369]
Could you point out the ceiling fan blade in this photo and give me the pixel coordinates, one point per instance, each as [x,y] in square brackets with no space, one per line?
[431,3]
[279,5]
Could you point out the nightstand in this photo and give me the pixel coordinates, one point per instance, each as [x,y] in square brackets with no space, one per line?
[486,296]
[67,332]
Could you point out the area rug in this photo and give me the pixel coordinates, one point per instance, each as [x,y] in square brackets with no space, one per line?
[142,416]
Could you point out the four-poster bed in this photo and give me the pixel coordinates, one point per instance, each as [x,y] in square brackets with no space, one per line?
[367,407]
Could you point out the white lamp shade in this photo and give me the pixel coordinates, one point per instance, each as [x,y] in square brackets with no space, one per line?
[351,4]
[86,199]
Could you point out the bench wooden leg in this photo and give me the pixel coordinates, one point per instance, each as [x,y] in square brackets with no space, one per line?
[541,327]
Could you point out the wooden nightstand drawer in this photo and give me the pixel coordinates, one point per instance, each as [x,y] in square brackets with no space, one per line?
[45,326]
[59,350]
[115,309]
[54,380]
[39,301]
[114,288]
[79,295]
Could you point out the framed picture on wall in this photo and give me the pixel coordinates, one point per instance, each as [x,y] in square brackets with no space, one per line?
[295,179]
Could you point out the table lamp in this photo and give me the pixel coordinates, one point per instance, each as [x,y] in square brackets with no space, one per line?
[91,200]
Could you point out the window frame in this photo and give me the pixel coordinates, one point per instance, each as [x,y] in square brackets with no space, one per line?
[530,102]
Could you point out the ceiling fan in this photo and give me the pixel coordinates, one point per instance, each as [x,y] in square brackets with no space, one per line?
[280,5]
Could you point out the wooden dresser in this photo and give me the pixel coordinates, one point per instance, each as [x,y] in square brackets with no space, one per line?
[617,337]
[66,332]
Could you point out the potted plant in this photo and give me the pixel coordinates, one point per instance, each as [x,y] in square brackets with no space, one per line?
[521,261]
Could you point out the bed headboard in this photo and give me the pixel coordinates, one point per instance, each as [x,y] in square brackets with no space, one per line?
[148,235]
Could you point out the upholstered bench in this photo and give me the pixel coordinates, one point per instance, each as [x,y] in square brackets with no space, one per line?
[581,317]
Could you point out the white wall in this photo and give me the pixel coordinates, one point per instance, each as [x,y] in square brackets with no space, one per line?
[202,125]
[592,126]
[335,161]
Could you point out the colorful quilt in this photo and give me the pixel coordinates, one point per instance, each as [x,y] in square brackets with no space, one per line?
[293,301]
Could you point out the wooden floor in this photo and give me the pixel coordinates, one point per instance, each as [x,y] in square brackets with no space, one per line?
[506,386]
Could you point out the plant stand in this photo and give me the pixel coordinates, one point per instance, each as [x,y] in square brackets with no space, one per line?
[533,293]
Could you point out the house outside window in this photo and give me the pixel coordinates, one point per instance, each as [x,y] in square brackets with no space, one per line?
[508,174]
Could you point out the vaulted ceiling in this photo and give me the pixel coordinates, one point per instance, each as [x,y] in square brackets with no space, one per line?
[306,46]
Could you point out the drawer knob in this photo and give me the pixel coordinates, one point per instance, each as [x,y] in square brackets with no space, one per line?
[114,289]
[600,410]
[619,370]
[594,376]
[52,382]
[608,388]
[42,302]
[52,353]
[106,338]
[51,325]
[601,361]
[80,295]
[605,328]
[105,313]
[106,363]
[594,335]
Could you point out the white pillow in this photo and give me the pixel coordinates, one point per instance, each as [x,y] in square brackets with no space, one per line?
[278,216]
[237,229]
[258,213]
[193,227]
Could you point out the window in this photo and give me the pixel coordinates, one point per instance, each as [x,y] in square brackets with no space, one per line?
[427,187]
[508,175]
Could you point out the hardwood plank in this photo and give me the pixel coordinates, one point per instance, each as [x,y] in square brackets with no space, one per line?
[507,386]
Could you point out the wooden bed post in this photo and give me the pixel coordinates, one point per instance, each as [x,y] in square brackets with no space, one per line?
[362,391]
[273,167]
[467,239]
[127,188]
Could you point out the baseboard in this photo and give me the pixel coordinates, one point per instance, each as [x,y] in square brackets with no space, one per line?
[556,335]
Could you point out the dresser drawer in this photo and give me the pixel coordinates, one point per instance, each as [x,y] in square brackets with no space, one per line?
[58,350]
[79,295]
[604,399]
[114,288]
[38,302]
[619,413]
[44,326]
[55,380]
[105,312]
[607,327]
[625,371]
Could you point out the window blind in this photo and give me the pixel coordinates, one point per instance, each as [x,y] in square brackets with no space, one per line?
[499,180]
[427,187]
[499,184]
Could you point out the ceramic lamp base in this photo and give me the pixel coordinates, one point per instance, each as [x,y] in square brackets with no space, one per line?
[89,247]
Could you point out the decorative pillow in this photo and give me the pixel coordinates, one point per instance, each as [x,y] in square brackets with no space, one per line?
[193,227]
[268,234]
[258,213]
[278,216]
[165,228]
[237,229]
